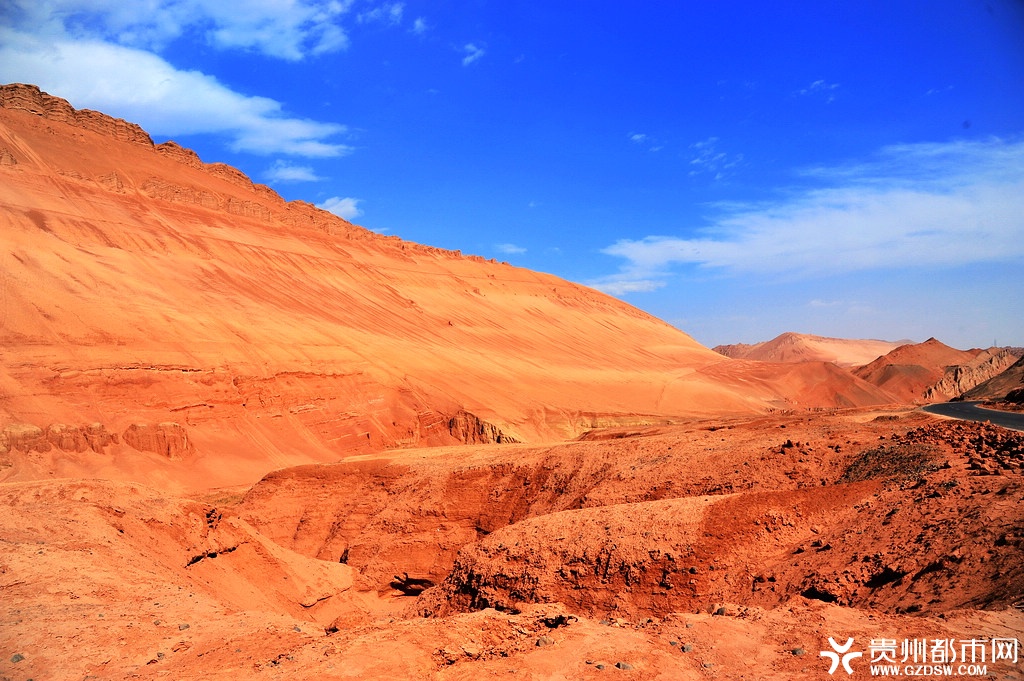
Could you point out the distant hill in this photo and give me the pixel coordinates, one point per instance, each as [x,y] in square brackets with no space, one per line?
[802,347]
[933,371]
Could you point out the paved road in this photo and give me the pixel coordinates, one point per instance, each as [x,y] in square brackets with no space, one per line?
[970,411]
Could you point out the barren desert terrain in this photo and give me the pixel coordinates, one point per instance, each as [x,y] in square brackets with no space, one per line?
[244,438]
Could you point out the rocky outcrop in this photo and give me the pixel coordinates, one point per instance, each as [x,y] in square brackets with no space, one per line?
[906,529]
[24,437]
[169,439]
[960,378]
[1000,385]
[470,429]
[31,99]
[178,193]
[80,438]
[172,149]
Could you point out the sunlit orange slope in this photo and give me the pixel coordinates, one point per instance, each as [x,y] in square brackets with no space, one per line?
[205,325]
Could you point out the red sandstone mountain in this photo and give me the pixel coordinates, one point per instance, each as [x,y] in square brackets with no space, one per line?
[909,371]
[802,347]
[154,302]
[960,379]
[166,320]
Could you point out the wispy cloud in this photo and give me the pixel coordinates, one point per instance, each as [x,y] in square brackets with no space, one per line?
[282,171]
[347,207]
[419,26]
[820,89]
[707,158]
[624,283]
[510,249]
[645,140]
[472,52]
[912,206]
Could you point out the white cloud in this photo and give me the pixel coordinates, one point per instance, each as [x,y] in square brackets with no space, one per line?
[473,52]
[620,285]
[347,208]
[914,206]
[285,29]
[144,88]
[638,138]
[282,171]
[419,26]
[390,13]
[510,249]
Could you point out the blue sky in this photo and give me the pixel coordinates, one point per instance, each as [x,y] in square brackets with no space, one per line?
[851,169]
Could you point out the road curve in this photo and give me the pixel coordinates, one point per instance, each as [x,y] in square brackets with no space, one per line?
[970,411]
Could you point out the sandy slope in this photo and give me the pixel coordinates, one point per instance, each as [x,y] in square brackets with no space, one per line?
[142,286]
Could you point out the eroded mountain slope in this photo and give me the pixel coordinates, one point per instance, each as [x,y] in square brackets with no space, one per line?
[196,318]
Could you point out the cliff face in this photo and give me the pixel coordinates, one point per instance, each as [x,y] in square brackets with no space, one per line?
[999,386]
[961,378]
